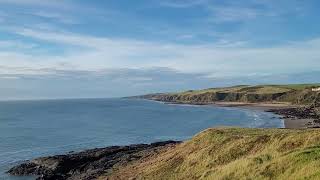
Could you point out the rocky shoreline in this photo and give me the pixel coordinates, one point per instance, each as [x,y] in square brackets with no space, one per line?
[89,164]
[307,116]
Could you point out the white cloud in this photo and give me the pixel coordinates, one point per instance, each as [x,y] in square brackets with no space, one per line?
[59,17]
[231,14]
[28,12]
[224,58]
[183,3]
[10,77]
[239,11]
[16,45]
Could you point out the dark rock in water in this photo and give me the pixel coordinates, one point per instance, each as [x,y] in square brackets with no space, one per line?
[88,164]
[299,113]
[306,112]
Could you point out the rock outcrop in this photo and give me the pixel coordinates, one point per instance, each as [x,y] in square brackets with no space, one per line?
[88,164]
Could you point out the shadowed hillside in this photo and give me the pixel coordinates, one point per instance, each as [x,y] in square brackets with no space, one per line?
[234,153]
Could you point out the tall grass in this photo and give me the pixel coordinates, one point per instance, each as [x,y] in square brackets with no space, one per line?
[235,153]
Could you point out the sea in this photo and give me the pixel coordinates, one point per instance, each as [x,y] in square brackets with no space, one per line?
[30,129]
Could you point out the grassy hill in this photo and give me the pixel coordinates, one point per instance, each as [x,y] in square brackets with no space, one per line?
[293,94]
[234,153]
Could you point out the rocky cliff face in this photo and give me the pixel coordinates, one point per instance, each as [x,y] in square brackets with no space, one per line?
[207,98]
[304,97]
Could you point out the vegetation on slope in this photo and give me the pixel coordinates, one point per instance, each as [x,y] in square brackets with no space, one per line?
[234,153]
[301,94]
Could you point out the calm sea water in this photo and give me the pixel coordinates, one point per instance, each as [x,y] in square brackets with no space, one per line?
[30,129]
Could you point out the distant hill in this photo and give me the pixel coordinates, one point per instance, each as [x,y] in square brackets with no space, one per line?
[299,94]
[233,153]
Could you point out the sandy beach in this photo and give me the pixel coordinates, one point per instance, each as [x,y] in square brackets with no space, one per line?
[256,106]
[290,123]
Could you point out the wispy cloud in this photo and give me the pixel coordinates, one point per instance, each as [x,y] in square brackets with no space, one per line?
[183,3]
[231,14]
[67,19]
[222,58]
[50,12]
[17,45]
[239,11]
[43,3]
[126,82]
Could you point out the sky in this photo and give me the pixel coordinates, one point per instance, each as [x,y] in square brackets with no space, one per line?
[114,48]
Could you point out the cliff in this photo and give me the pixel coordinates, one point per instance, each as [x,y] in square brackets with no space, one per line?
[294,94]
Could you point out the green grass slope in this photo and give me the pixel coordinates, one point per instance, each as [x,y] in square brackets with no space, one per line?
[293,94]
[234,153]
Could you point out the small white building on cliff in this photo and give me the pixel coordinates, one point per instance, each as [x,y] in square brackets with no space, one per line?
[316,89]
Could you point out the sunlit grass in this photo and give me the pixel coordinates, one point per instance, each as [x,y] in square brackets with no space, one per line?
[292,93]
[235,153]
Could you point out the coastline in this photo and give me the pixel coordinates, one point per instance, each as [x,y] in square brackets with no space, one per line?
[92,163]
[281,109]
[276,108]
[89,164]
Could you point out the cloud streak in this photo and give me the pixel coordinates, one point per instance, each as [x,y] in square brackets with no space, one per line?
[125,82]
[239,11]
[39,3]
[94,53]
[183,3]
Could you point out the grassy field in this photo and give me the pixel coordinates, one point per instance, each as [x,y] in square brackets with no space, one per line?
[260,89]
[234,153]
[301,94]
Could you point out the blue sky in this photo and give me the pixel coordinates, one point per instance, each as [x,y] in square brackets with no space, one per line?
[78,48]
